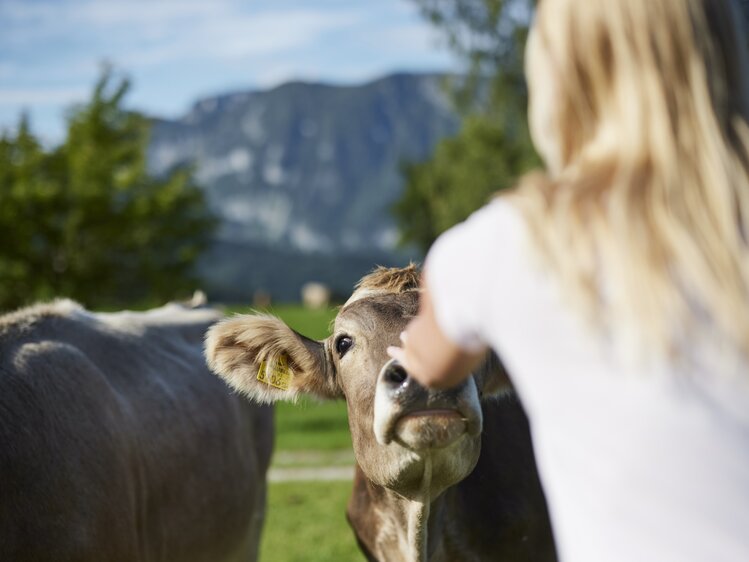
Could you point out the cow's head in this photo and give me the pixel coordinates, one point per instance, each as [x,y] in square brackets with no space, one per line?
[407,438]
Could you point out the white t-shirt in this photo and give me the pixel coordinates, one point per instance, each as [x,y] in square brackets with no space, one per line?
[636,465]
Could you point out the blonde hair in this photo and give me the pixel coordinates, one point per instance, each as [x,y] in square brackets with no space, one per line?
[645,221]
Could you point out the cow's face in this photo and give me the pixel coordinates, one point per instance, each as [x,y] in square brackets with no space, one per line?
[398,426]
[409,439]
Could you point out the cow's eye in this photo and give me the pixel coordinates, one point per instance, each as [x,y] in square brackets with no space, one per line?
[343,344]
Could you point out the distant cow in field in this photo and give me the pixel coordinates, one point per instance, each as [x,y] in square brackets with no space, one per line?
[315,295]
[441,475]
[117,443]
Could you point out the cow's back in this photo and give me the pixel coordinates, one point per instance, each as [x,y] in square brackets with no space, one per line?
[118,444]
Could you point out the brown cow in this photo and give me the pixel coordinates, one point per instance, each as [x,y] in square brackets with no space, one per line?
[118,444]
[421,491]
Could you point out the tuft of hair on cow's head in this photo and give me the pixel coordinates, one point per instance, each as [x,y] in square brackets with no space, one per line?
[387,280]
[391,279]
[261,357]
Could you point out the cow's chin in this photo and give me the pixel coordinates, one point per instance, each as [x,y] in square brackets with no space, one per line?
[428,430]
[425,458]
[424,452]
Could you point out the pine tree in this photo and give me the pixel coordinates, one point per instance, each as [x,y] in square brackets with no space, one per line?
[27,198]
[87,221]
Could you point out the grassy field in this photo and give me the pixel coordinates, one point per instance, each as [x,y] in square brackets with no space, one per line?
[312,323]
[309,424]
[306,521]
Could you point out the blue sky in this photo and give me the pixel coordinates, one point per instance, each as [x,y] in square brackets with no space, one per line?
[177,51]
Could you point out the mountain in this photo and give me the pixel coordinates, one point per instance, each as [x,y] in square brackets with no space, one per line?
[306,171]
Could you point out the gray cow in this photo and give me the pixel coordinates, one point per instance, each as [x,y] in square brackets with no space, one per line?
[441,475]
[118,444]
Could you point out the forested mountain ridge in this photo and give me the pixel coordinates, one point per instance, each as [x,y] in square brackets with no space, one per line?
[306,169]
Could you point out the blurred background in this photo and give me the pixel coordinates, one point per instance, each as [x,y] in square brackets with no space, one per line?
[259,150]
[246,148]
[267,152]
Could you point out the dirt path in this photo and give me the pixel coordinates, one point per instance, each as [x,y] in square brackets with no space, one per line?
[293,466]
[313,473]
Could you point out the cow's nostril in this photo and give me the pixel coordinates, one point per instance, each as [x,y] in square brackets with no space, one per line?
[396,375]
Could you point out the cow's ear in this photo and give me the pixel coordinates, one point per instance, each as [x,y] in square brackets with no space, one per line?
[263,358]
[491,377]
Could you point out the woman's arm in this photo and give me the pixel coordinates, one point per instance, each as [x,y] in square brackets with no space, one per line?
[428,354]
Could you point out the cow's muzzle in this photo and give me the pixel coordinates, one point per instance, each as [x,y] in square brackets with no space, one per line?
[422,419]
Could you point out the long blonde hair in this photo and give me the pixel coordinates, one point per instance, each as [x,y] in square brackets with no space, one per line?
[646,217]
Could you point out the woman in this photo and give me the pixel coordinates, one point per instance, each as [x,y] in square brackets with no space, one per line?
[614,285]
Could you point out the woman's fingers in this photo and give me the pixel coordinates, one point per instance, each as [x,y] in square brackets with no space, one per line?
[397,353]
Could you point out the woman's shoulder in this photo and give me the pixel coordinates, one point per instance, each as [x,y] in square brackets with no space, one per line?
[488,249]
[495,229]
[475,267]
[501,214]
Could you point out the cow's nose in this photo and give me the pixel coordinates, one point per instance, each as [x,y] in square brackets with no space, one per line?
[394,383]
[395,376]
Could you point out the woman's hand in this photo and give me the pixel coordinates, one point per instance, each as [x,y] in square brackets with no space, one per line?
[428,354]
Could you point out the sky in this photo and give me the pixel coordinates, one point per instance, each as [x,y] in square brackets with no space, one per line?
[178,51]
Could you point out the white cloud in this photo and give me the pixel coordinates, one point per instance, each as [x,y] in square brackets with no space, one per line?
[230,36]
[408,37]
[98,13]
[41,96]
[276,71]
[177,49]
[146,12]
[143,32]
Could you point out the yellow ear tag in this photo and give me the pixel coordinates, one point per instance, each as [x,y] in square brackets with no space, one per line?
[278,375]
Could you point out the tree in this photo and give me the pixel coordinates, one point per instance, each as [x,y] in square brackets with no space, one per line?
[489,35]
[87,221]
[493,147]
[461,175]
[27,195]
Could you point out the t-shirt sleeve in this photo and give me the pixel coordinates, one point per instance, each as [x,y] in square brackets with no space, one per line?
[462,272]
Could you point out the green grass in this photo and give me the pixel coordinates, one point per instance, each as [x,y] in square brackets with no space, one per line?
[312,425]
[312,458]
[314,324]
[306,522]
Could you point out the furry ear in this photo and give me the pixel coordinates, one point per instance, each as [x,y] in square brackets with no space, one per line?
[491,377]
[266,360]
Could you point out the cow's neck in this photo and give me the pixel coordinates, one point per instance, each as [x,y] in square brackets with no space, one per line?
[417,530]
[417,510]
[393,527]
